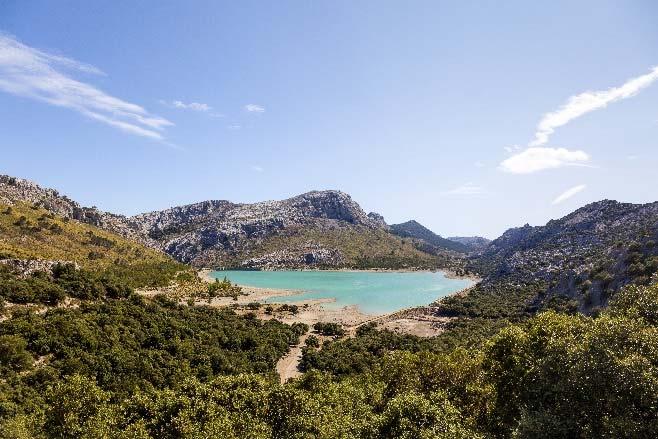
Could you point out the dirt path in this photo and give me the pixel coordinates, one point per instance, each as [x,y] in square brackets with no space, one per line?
[287,366]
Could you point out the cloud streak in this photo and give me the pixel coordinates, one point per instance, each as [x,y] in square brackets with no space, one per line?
[466,189]
[254,108]
[34,74]
[568,194]
[537,159]
[589,101]
[193,106]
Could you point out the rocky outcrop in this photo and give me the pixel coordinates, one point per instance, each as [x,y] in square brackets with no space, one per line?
[26,267]
[309,255]
[378,219]
[216,231]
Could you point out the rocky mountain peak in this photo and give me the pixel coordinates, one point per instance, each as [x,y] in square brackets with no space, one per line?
[379,219]
[330,204]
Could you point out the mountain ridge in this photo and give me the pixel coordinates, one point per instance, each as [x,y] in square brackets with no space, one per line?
[323,229]
[431,242]
[580,260]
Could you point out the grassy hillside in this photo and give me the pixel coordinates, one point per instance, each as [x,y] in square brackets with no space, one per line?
[27,232]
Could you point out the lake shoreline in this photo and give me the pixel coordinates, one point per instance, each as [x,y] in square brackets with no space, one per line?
[447,272]
[352,313]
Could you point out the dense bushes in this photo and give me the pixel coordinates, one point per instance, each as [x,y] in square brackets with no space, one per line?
[329,329]
[117,347]
[555,375]
[223,288]
[132,368]
[64,280]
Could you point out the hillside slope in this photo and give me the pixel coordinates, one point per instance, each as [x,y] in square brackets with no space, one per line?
[579,261]
[472,243]
[430,241]
[28,232]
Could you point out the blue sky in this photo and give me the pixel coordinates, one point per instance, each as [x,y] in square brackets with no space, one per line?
[470,117]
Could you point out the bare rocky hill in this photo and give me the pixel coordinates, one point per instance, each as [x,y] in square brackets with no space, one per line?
[221,233]
[316,229]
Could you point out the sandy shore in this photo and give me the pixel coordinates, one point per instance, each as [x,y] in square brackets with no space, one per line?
[310,312]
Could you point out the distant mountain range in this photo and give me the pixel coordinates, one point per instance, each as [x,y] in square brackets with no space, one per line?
[430,241]
[319,228]
[472,243]
[583,258]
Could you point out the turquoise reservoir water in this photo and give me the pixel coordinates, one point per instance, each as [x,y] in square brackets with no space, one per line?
[372,292]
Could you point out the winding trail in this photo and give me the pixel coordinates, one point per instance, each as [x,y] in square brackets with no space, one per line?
[287,365]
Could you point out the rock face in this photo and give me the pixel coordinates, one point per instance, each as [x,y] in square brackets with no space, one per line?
[378,219]
[214,231]
[585,256]
[429,241]
[310,254]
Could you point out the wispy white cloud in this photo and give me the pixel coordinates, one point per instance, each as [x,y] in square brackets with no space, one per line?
[34,74]
[234,127]
[479,164]
[257,168]
[466,189]
[588,101]
[537,159]
[194,106]
[254,108]
[569,193]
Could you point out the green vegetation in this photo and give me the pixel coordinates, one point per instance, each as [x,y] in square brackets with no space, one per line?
[64,281]
[517,360]
[129,368]
[493,301]
[223,288]
[329,329]
[110,349]
[28,232]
